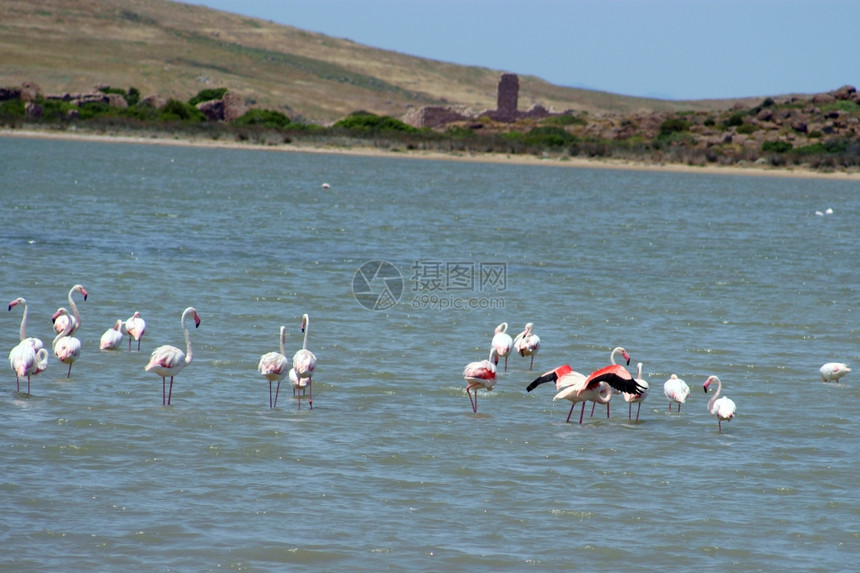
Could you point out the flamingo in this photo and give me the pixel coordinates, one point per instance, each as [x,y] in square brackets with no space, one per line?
[596,388]
[304,363]
[299,386]
[832,371]
[168,360]
[617,350]
[67,348]
[112,337]
[723,408]
[480,374]
[503,343]
[26,361]
[273,366]
[135,327]
[527,343]
[636,398]
[36,343]
[60,323]
[676,390]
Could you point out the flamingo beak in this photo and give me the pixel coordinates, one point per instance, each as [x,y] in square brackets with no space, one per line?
[626,357]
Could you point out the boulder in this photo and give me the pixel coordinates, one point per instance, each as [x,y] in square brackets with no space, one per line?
[33,110]
[212,109]
[819,99]
[234,106]
[116,100]
[30,91]
[153,101]
[845,93]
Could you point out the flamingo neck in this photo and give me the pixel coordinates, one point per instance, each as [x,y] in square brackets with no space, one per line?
[283,340]
[615,351]
[716,394]
[188,354]
[307,326]
[502,328]
[67,330]
[24,322]
[74,307]
[604,393]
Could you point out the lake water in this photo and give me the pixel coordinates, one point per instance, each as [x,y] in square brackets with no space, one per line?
[694,274]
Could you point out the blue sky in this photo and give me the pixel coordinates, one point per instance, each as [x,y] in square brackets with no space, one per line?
[669,49]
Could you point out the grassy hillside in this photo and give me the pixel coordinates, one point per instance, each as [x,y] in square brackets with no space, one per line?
[174,50]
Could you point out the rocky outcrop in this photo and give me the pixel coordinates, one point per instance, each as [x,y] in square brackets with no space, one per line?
[229,107]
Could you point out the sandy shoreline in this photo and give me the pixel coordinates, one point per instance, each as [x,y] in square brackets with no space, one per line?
[495,158]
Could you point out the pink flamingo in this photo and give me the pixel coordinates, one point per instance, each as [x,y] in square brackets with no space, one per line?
[135,327]
[112,337]
[832,371]
[274,365]
[304,363]
[596,388]
[36,343]
[527,343]
[480,374]
[503,343]
[676,390]
[26,361]
[723,408]
[75,321]
[617,350]
[168,360]
[636,398]
[67,348]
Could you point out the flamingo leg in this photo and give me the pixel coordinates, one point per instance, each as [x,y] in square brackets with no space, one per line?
[582,413]
[607,409]
[670,406]
[163,393]
[129,343]
[170,392]
[18,383]
[572,406]
[138,345]
[474,402]
[310,393]
[593,406]
[532,363]
[277,389]
[506,363]
[637,411]
[69,374]
[679,406]
[720,425]
[630,411]
[28,385]
[270,393]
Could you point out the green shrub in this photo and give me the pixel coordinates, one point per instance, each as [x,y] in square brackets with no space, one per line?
[207,95]
[263,118]
[175,110]
[460,132]
[673,125]
[815,134]
[709,122]
[747,128]
[734,120]
[776,146]
[12,108]
[563,120]
[549,136]
[371,123]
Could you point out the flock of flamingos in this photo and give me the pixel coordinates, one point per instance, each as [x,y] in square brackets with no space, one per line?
[599,386]
[29,358]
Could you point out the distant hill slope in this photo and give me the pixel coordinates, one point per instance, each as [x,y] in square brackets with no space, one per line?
[175,50]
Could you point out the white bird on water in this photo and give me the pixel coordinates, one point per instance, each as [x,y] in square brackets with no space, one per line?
[723,408]
[833,371]
[168,360]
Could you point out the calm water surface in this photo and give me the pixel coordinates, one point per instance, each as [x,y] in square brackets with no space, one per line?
[694,274]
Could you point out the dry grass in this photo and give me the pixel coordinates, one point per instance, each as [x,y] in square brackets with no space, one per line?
[175,50]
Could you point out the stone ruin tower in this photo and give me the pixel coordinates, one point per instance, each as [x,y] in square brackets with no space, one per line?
[506,105]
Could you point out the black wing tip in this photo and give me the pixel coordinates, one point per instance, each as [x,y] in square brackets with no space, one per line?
[551,377]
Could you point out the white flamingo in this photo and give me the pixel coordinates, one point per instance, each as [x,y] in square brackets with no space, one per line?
[527,343]
[636,398]
[503,343]
[112,337]
[135,327]
[723,408]
[75,317]
[67,348]
[168,360]
[274,366]
[480,374]
[36,343]
[676,390]
[26,361]
[304,363]
[830,372]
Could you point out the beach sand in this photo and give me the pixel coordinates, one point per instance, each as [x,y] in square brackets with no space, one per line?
[497,158]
